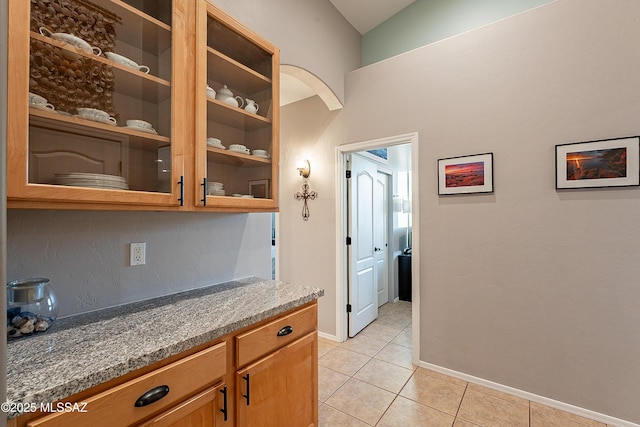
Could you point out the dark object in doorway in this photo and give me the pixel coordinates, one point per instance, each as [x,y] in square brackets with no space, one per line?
[404,277]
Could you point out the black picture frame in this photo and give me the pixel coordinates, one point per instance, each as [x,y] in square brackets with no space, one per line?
[469,174]
[598,164]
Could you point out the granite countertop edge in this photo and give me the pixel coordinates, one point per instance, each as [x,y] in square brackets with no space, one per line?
[296,295]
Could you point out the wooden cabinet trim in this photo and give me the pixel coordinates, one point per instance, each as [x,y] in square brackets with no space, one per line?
[115,406]
[262,340]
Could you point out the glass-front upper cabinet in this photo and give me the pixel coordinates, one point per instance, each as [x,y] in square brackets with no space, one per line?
[97,116]
[237,115]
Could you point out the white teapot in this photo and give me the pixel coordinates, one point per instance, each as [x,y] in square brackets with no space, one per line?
[226,96]
[251,106]
[210,92]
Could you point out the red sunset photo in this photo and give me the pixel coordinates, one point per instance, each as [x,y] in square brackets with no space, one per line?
[597,164]
[464,174]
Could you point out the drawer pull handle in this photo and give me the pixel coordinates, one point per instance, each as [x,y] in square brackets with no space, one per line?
[224,405]
[285,331]
[246,396]
[152,395]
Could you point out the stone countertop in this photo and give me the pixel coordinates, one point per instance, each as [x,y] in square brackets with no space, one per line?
[82,351]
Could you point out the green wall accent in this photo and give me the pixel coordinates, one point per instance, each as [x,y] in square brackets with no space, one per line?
[427,21]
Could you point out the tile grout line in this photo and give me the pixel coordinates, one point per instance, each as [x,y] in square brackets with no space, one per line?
[352,377]
[466,387]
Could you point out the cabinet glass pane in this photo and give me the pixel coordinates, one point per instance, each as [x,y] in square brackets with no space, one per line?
[100,94]
[239,116]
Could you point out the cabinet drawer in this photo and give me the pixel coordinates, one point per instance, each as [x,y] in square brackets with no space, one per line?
[265,339]
[116,405]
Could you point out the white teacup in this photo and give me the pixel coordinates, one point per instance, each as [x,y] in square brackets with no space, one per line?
[262,153]
[237,147]
[136,123]
[210,92]
[126,61]
[74,41]
[39,101]
[214,141]
[93,112]
[215,185]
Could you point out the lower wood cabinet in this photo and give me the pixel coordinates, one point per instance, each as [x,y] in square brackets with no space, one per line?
[262,375]
[281,386]
[200,410]
[163,389]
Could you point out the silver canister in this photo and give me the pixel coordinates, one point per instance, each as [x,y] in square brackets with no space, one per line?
[26,290]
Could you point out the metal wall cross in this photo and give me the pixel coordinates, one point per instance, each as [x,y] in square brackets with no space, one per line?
[305,195]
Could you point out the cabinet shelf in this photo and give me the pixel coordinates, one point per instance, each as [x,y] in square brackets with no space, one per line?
[234,74]
[155,34]
[128,80]
[235,42]
[53,120]
[228,157]
[218,111]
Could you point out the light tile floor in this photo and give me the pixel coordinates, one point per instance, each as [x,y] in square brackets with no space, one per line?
[369,380]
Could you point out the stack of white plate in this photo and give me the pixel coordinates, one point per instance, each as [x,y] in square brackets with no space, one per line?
[215,189]
[92,180]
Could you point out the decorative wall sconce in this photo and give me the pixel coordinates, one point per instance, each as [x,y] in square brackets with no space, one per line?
[304,168]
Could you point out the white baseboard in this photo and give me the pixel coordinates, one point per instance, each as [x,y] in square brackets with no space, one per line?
[596,416]
[328,336]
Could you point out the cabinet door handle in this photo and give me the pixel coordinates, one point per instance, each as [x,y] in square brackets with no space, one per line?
[246,396]
[152,395]
[224,402]
[204,191]
[181,198]
[285,331]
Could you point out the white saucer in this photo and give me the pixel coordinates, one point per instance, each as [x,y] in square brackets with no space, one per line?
[41,107]
[141,129]
[96,119]
[220,146]
[264,157]
[239,151]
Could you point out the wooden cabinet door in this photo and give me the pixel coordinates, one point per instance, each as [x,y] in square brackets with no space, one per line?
[111,134]
[230,174]
[203,410]
[281,388]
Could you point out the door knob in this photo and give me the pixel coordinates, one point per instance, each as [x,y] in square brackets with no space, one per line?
[377,249]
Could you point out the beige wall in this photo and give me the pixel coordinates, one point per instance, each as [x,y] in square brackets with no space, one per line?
[307,249]
[528,287]
[86,254]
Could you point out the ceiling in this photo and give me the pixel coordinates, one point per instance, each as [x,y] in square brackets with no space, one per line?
[363,15]
[367,14]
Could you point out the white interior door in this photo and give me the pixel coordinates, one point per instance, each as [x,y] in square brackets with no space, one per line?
[363,287]
[380,219]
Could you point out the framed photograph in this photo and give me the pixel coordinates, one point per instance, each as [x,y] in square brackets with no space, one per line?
[595,164]
[466,174]
[259,188]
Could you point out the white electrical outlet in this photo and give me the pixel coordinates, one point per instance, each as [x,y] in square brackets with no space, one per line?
[137,253]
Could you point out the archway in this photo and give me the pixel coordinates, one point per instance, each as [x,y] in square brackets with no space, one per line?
[297,83]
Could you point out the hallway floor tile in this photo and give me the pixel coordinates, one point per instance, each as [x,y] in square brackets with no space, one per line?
[369,380]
